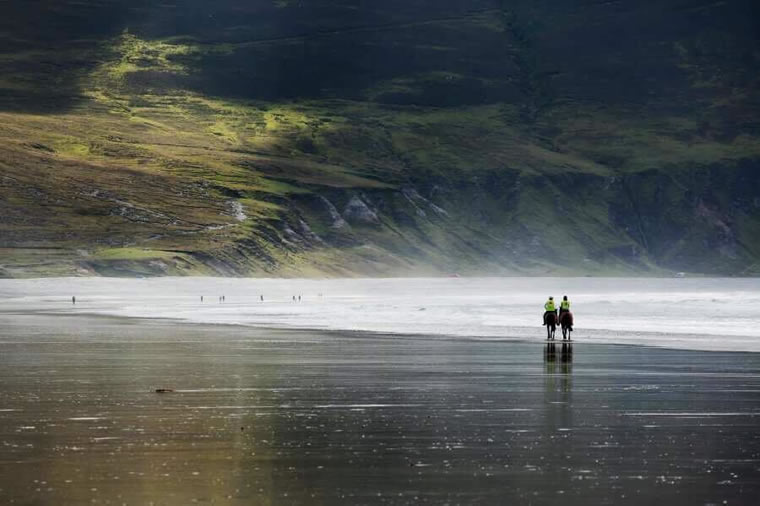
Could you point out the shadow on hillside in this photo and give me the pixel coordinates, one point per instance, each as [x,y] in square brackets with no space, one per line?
[428,53]
[48,46]
[425,53]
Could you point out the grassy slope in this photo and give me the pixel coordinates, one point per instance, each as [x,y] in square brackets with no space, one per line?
[140,173]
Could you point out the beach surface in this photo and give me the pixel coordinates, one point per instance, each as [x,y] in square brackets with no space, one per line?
[260,416]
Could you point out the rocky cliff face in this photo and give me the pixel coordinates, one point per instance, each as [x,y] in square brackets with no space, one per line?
[379,138]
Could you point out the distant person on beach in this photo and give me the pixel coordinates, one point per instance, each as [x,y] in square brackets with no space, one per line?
[73,299]
[201,298]
[299,298]
[261,297]
[549,308]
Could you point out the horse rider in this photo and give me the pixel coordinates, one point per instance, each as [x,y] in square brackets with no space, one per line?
[549,308]
[564,307]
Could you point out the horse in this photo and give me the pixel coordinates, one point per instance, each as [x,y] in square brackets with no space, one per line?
[551,325]
[566,322]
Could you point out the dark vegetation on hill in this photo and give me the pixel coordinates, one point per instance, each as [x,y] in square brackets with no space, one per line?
[348,137]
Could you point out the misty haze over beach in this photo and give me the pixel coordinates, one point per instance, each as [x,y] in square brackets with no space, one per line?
[702,314]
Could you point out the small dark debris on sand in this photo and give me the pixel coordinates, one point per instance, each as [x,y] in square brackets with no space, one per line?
[164,390]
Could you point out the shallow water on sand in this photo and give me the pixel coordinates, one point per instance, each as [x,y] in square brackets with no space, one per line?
[287,417]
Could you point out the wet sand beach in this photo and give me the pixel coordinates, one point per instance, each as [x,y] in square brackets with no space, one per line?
[261,416]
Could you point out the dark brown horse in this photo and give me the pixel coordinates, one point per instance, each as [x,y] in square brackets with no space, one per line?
[551,325]
[566,322]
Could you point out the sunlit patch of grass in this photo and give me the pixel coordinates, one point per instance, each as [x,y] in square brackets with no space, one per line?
[72,148]
[151,123]
[136,54]
[223,130]
[260,208]
[131,254]
[284,118]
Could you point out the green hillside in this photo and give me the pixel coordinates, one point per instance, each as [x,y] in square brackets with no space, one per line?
[314,137]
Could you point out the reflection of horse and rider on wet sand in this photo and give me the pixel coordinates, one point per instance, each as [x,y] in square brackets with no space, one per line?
[564,357]
[564,319]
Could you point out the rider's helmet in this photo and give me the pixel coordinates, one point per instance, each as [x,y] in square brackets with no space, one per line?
[564,298]
[551,298]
